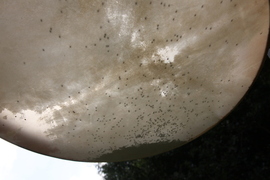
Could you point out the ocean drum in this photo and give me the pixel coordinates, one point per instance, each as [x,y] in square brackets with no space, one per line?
[90,80]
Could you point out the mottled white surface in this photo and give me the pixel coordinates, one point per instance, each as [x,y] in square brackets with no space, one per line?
[117,80]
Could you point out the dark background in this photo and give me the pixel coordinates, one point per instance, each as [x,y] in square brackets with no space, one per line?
[237,148]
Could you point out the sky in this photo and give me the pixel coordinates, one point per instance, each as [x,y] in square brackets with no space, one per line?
[20,164]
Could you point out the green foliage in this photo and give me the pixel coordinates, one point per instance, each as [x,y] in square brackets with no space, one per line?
[237,148]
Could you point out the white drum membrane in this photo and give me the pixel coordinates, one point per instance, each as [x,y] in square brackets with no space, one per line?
[120,80]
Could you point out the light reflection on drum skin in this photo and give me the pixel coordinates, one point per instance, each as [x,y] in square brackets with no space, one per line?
[119,80]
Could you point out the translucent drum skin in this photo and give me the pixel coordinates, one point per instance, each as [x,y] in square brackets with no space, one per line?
[90,80]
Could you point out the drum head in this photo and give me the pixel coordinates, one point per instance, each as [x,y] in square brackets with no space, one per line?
[120,80]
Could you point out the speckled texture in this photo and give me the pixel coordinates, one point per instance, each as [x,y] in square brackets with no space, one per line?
[95,80]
